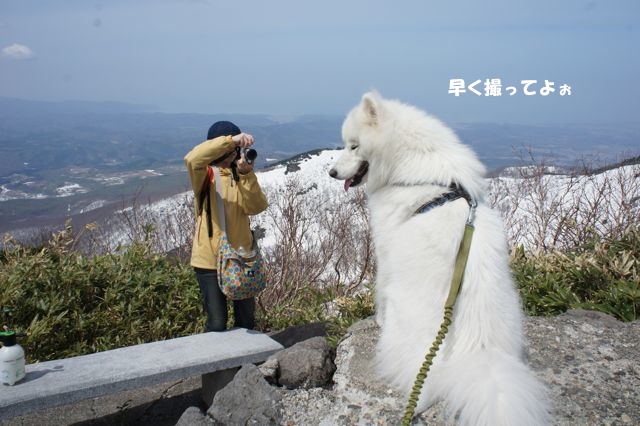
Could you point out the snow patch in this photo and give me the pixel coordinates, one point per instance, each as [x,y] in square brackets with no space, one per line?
[70,189]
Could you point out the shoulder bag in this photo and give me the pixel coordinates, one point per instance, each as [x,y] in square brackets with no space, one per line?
[240,275]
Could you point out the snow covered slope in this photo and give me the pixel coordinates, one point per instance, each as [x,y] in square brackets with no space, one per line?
[539,210]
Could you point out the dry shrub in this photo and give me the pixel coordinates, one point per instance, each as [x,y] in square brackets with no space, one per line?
[320,239]
[167,226]
[543,211]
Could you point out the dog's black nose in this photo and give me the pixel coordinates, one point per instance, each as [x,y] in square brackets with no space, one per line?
[333,173]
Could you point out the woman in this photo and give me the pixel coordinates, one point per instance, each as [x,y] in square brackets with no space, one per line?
[242,197]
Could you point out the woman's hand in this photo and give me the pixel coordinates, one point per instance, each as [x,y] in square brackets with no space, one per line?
[243,167]
[243,140]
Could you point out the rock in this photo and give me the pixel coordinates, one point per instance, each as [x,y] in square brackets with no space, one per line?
[193,416]
[358,396]
[269,370]
[589,360]
[594,317]
[298,333]
[307,364]
[247,400]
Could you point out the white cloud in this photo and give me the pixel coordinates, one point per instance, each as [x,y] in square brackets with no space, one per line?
[17,51]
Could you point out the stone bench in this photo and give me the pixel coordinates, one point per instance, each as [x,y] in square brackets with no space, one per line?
[215,356]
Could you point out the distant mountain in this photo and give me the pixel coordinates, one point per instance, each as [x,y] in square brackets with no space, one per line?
[501,145]
[21,108]
[58,158]
[37,136]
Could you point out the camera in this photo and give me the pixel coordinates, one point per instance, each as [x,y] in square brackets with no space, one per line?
[250,154]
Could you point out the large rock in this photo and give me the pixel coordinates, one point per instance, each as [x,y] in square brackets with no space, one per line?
[193,416]
[358,396]
[247,400]
[307,364]
[589,361]
[299,333]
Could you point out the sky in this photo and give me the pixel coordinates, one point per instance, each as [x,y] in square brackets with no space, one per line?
[287,57]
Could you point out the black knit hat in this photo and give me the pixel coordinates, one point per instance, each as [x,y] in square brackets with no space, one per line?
[223,128]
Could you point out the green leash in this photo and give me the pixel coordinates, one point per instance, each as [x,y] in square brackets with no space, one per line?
[456,283]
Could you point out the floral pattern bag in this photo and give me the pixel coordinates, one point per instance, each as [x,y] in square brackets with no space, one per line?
[239,277]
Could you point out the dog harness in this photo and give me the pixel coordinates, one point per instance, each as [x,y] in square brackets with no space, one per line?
[454,193]
[456,283]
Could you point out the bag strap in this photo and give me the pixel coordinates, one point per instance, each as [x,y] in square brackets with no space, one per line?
[204,204]
[219,200]
[220,205]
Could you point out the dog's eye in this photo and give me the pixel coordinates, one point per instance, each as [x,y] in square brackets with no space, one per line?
[354,147]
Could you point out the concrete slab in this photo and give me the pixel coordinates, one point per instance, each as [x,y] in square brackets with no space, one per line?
[155,405]
[64,381]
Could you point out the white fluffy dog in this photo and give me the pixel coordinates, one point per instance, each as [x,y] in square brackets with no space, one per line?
[408,158]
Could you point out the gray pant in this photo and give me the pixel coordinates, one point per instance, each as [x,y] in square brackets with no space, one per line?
[215,303]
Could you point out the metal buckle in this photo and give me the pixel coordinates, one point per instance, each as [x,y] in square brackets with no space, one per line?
[472,212]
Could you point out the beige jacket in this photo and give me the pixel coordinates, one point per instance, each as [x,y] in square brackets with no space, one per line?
[241,199]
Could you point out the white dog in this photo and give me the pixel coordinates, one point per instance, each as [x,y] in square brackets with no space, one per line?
[408,158]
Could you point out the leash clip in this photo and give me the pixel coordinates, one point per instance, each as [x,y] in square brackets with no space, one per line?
[472,212]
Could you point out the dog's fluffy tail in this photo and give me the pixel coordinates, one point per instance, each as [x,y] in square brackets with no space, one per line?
[488,388]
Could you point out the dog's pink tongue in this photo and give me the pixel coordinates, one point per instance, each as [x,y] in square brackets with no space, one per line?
[347,184]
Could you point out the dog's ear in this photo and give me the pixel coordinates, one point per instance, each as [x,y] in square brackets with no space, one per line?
[371,106]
